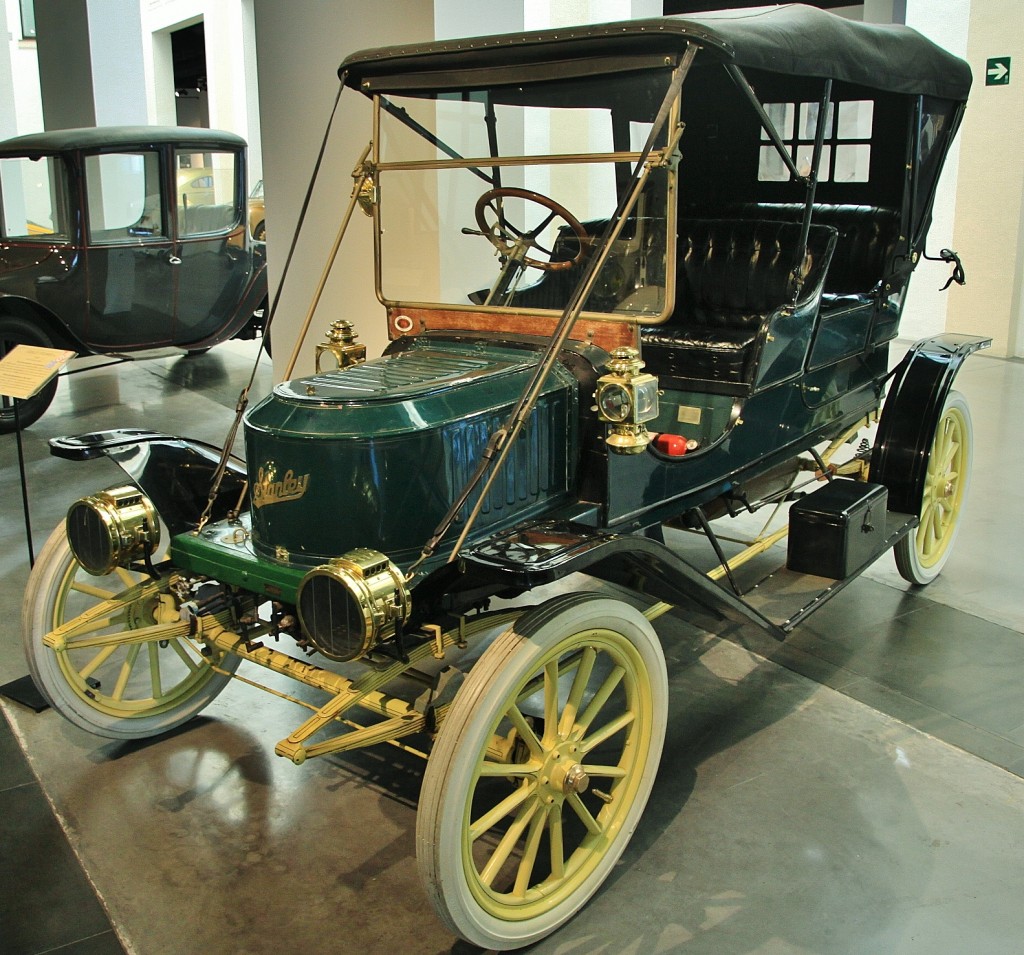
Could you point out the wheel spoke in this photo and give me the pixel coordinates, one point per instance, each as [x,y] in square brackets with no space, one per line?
[550,702]
[547,221]
[579,685]
[176,646]
[925,523]
[614,772]
[126,672]
[154,669]
[556,843]
[593,826]
[96,662]
[509,804]
[527,735]
[607,731]
[83,587]
[949,453]
[126,576]
[508,842]
[507,769]
[529,859]
[600,698]
[565,666]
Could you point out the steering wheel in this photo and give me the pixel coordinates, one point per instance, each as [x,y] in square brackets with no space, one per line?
[510,241]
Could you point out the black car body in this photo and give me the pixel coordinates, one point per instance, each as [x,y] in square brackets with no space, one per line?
[122,239]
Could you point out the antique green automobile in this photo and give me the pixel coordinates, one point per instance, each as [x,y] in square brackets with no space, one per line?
[117,240]
[637,276]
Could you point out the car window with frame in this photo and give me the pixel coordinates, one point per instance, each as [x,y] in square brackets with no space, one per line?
[206,192]
[123,197]
[33,199]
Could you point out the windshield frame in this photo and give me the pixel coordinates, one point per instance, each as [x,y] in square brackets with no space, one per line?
[658,158]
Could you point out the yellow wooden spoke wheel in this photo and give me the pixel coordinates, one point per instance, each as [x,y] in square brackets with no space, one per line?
[921,556]
[523,816]
[106,679]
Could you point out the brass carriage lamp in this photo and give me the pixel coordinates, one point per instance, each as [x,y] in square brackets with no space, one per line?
[340,344]
[626,398]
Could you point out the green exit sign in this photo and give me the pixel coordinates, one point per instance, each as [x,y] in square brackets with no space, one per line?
[997,71]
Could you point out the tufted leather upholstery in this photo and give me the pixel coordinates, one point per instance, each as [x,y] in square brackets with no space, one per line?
[866,242]
[733,273]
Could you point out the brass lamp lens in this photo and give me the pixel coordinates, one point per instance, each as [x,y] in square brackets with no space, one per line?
[614,402]
[352,603]
[112,529]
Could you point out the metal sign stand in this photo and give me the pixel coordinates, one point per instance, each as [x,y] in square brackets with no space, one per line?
[23,690]
[24,485]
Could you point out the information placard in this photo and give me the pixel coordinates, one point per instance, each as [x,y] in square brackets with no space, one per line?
[27,369]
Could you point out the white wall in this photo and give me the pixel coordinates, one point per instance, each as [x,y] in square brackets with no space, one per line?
[24,106]
[990,197]
[8,116]
[926,311]
[232,90]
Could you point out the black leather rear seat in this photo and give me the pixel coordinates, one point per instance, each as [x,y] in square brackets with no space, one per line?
[732,274]
[867,238]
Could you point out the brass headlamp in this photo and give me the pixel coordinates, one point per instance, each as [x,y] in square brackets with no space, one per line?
[350,604]
[112,528]
[626,398]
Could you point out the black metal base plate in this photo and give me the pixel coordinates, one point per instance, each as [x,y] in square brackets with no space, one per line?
[24,691]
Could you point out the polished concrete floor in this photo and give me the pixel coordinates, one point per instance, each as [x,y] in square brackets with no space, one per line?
[856,790]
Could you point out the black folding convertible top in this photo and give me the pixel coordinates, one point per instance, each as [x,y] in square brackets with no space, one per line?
[793,39]
[117,137]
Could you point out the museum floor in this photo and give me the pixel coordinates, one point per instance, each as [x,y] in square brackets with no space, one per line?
[856,790]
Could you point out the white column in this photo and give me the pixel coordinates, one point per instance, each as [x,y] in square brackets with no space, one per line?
[990,195]
[927,308]
[8,114]
[90,62]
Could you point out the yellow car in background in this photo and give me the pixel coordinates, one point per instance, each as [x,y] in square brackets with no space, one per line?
[257,214]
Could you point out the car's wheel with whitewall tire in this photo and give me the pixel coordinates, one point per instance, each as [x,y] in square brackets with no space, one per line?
[20,331]
[921,555]
[522,817]
[107,678]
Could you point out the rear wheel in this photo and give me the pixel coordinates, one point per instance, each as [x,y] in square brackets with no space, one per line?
[103,680]
[921,555]
[19,331]
[522,818]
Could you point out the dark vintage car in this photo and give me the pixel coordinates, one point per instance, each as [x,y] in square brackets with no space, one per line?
[637,276]
[123,239]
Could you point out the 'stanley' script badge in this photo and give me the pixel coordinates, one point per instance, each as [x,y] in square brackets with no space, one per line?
[268,491]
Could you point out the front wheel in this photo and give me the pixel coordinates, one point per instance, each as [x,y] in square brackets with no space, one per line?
[522,817]
[921,555]
[106,680]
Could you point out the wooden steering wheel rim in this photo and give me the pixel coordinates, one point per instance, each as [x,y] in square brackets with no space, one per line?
[496,236]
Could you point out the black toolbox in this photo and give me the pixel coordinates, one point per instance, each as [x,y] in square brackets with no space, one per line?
[836,530]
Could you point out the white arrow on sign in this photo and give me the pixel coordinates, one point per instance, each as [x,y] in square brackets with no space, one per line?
[998,72]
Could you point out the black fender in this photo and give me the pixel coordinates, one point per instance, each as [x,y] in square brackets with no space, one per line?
[531,555]
[174,473]
[920,384]
[18,306]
